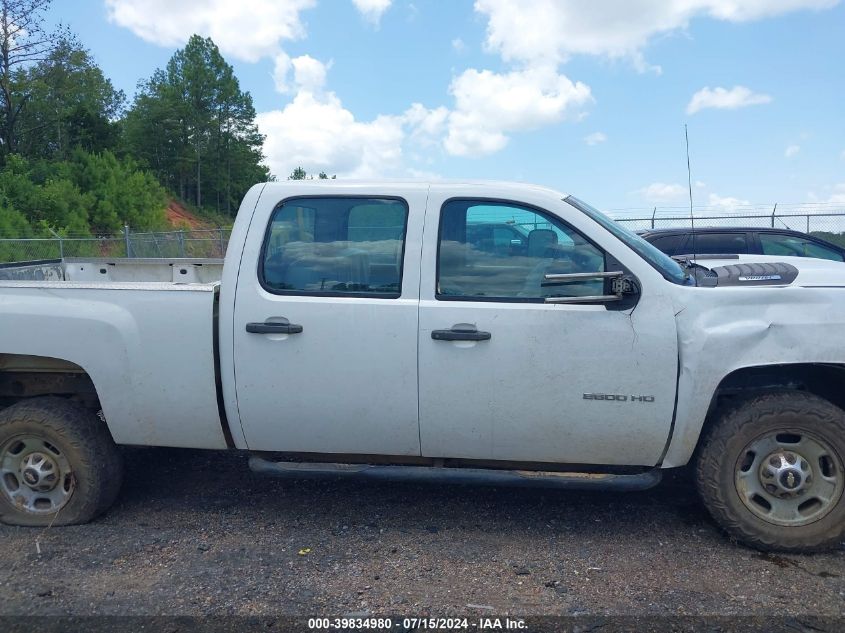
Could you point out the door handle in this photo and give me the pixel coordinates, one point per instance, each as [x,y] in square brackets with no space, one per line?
[274,325]
[460,332]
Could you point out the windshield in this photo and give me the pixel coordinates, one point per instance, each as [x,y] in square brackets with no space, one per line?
[667,266]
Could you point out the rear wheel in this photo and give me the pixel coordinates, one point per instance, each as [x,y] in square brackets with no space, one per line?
[770,471]
[58,463]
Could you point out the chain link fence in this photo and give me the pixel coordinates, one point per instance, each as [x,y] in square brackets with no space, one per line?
[202,243]
[817,219]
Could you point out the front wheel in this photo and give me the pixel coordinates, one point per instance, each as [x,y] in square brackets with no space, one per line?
[58,463]
[770,471]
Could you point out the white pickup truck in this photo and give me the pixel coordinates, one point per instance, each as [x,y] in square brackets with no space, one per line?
[475,332]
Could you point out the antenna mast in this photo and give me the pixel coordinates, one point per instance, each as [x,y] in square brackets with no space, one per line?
[689,184]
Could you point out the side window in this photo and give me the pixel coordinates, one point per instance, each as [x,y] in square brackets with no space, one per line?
[717,244]
[670,244]
[773,244]
[814,249]
[335,246]
[503,251]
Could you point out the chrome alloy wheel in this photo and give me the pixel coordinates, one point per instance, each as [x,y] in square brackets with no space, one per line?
[789,478]
[34,475]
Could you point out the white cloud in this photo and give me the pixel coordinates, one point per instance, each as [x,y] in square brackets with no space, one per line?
[726,203]
[700,184]
[662,193]
[721,98]
[372,10]
[427,127]
[792,150]
[552,31]
[309,73]
[281,68]
[595,138]
[247,30]
[318,133]
[459,45]
[489,106]
[842,155]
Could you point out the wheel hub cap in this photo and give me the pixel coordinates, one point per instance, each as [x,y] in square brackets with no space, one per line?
[39,472]
[789,478]
[786,474]
[35,476]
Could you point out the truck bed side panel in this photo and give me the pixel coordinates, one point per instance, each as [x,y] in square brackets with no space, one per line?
[148,349]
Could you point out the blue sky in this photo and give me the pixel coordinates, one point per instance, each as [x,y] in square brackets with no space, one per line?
[588,97]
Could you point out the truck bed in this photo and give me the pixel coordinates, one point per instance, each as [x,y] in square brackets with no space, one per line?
[104,270]
[144,330]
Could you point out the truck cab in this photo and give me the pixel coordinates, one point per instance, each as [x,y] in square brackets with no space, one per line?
[422,340]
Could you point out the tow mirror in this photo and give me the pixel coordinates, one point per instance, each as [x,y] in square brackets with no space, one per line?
[620,285]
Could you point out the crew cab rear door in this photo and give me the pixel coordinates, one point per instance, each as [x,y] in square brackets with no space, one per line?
[325,321]
[507,376]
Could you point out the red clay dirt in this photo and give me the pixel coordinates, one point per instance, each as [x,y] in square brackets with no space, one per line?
[178,216]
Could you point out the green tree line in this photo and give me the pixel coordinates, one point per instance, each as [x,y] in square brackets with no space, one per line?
[77,157]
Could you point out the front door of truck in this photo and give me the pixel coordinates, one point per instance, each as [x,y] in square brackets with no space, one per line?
[325,324]
[505,375]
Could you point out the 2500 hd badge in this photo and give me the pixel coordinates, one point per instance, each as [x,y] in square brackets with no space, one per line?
[617,397]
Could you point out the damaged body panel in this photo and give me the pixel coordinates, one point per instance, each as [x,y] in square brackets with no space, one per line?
[725,330]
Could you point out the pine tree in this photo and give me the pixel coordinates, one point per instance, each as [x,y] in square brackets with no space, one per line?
[23,41]
[71,104]
[196,128]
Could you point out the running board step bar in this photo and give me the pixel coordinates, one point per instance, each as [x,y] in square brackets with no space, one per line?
[472,476]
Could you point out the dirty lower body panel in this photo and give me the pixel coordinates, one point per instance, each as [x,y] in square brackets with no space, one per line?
[470,476]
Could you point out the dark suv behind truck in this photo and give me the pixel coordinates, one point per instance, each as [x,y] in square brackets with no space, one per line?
[742,241]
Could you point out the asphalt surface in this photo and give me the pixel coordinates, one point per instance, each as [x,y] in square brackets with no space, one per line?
[195,533]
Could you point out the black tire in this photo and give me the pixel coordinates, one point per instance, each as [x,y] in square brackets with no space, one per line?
[82,441]
[748,422]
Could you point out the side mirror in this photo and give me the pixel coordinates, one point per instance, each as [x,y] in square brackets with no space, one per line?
[621,287]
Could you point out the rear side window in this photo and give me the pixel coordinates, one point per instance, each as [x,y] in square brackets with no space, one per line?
[774,244]
[717,244]
[334,246]
[670,244]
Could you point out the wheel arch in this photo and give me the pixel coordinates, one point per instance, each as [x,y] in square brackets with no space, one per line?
[824,380]
[24,376]
[698,404]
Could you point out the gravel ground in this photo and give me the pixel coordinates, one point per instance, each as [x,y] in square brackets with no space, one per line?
[195,533]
